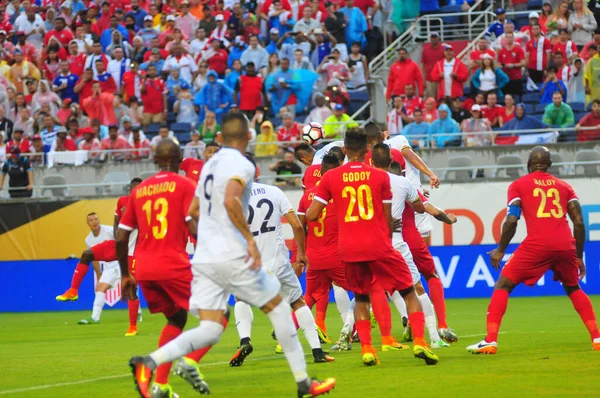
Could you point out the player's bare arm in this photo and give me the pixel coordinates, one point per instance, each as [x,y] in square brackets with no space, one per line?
[439,214]
[194,215]
[509,228]
[233,205]
[116,221]
[299,238]
[416,161]
[314,211]
[417,205]
[387,210]
[128,285]
[576,216]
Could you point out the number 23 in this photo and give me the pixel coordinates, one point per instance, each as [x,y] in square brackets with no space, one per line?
[552,193]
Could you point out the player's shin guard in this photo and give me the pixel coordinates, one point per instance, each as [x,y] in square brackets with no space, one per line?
[584,308]
[98,305]
[381,310]
[430,321]
[288,339]
[342,301]
[199,354]
[417,324]
[133,307]
[400,304]
[169,332]
[308,326]
[496,311]
[243,319]
[436,292]
[80,271]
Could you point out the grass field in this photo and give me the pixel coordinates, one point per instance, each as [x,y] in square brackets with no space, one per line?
[544,352]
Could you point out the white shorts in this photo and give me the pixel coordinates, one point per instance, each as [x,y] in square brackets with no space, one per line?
[111,276]
[291,290]
[404,250]
[213,283]
[424,225]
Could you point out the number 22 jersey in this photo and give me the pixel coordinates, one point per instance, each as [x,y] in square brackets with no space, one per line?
[359,192]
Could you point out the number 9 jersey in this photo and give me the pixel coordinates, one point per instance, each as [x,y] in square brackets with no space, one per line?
[544,199]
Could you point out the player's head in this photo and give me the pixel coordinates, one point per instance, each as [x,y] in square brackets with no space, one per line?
[330,161]
[381,156]
[339,152]
[134,183]
[396,168]
[168,155]
[235,131]
[305,153]
[210,149]
[374,135]
[251,160]
[539,159]
[355,144]
[93,221]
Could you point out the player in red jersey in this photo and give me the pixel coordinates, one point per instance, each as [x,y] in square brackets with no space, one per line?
[158,208]
[362,196]
[192,167]
[544,201]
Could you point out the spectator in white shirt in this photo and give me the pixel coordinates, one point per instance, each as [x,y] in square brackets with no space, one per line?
[320,112]
[307,24]
[199,43]
[33,25]
[255,53]
[394,117]
[187,67]
[117,66]
[186,22]
[300,61]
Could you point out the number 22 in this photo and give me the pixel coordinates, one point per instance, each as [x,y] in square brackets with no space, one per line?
[552,193]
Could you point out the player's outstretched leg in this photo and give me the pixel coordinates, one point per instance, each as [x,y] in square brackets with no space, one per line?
[583,306]
[430,321]
[243,322]
[416,318]
[306,322]
[436,292]
[383,315]
[72,293]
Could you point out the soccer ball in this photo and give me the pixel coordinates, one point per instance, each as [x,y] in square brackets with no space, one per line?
[312,133]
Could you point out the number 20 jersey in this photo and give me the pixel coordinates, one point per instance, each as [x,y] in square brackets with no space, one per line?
[544,200]
[359,192]
[219,241]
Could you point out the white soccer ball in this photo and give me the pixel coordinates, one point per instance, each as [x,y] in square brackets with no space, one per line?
[312,132]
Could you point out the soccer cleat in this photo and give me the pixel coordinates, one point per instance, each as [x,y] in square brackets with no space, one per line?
[141,376]
[373,320]
[392,345]
[407,336]
[323,338]
[162,391]
[88,321]
[317,388]
[448,335]
[243,351]
[273,336]
[321,356]
[278,349]
[343,344]
[596,344]
[355,338]
[132,331]
[404,322]
[188,370]
[426,354]
[69,295]
[439,344]
[483,347]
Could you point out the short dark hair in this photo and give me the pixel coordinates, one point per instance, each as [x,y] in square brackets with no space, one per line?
[372,131]
[558,53]
[337,151]
[552,69]
[563,31]
[596,101]
[136,180]
[593,47]
[234,117]
[304,146]
[250,64]
[60,19]
[329,161]
[402,49]
[395,168]
[356,139]
[417,110]
[381,156]
[212,143]
[91,214]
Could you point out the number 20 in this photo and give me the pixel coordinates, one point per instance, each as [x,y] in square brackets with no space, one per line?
[364,197]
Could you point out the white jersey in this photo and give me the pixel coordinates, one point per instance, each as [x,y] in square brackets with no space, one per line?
[402,191]
[106,233]
[219,241]
[321,152]
[267,205]
[400,142]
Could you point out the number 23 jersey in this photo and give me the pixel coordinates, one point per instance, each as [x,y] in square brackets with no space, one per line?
[544,200]
[359,192]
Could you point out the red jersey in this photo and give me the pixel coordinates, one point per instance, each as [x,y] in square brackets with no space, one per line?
[192,168]
[121,206]
[567,49]
[158,208]
[322,235]
[492,114]
[410,105]
[359,192]
[538,50]
[513,56]
[312,175]
[153,96]
[544,200]
[396,157]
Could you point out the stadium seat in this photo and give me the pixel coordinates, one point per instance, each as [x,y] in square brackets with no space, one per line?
[55,179]
[144,175]
[276,123]
[579,115]
[587,155]
[534,5]
[521,21]
[118,181]
[556,170]
[460,161]
[531,98]
[171,118]
[451,20]
[577,106]
[540,108]
[151,130]
[529,109]
[183,138]
[511,172]
[359,95]
[181,128]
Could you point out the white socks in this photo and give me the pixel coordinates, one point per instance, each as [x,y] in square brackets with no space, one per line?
[342,301]
[430,320]
[306,321]
[349,321]
[243,319]
[281,318]
[98,305]
[207,334]
[400,304]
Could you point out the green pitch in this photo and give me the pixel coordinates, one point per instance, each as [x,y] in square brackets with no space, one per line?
[544,351]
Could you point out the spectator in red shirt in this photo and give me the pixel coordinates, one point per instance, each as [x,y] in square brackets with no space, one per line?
[566,46]
[264,10]
[131,84]
[451,74]
[538,51]
[18,141]
[216,57]
[432,53]
[106,80]
[100,105]
[90,143]
[113,142]
[483,47]
[76,59]
[364,6]
[63,142]
[534,19]
[289,131]
[60,31]
[84,86]
[592,119]
[138,141]
[512,58]
[411,103]
[492,111]
[402,72]
[250,90]
[30,53]
[154,97]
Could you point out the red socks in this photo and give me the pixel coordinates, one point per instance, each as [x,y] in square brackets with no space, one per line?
[199,354]
[364,332]
[584,308]
[436,293]
[133,306]
[417,324]
[168,333]
[321,312]
[381,310]
[496,311]
[80,272]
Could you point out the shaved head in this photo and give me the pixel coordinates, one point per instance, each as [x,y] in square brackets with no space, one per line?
[381,156]
[168,155]
[539,159]
[235,129]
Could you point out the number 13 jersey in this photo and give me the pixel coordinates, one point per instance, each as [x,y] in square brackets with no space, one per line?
[544,200]
[359,192]
[219,241]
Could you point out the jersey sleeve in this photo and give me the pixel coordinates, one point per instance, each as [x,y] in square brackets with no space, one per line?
[188,196]
[400,142]
[184,165]
[386,188]
[119,210]
[243,173]
[285,207]
[411,192]
[302,205]
[128,221]
[513,193]
[323,193]
[571,195]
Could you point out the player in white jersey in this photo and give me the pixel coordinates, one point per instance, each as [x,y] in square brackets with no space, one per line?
[268,204]
[110,272]
[227,260]
[403,191]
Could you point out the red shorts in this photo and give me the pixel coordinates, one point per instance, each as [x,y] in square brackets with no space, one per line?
[527,265]
[105,251]
[391,272]
[318,282]
[421,255]
[167,296]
